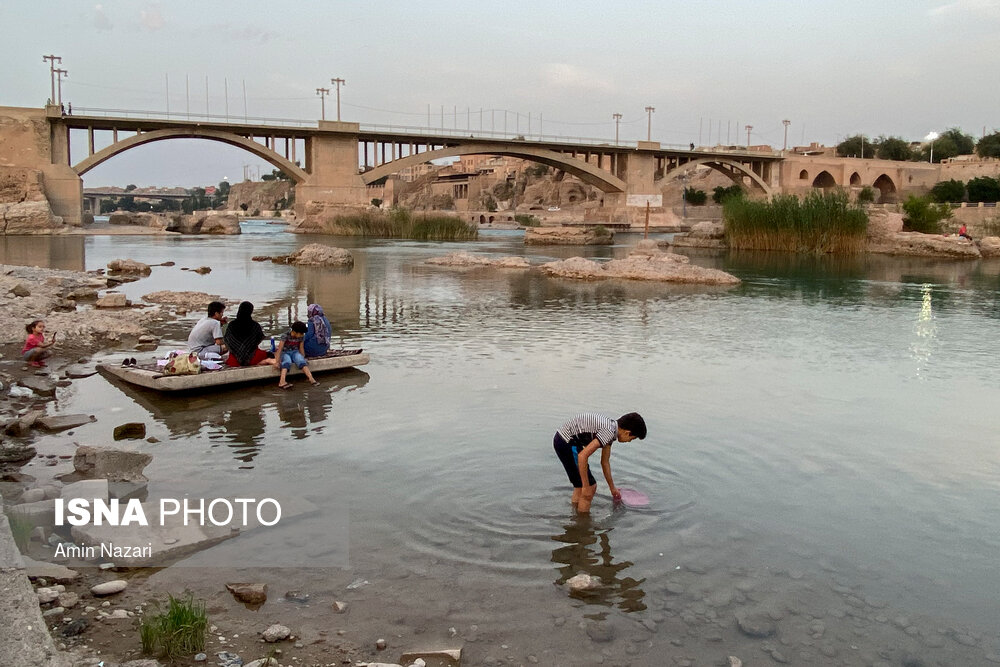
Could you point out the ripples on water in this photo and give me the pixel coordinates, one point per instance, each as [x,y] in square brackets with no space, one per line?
[831,406]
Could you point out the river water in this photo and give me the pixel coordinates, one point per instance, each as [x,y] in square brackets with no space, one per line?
[823,447]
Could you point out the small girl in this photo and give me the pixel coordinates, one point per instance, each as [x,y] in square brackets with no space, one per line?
[35,348]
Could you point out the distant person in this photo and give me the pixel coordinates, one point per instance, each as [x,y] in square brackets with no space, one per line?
[243,336]
[290,351]
[206,336]
[69,109]
[580,437]
[36,350]
[317,340]
[963,232]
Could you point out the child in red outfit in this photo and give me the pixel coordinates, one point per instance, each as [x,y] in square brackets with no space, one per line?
[35,349]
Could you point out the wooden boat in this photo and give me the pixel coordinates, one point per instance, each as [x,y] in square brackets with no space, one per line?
[151,376]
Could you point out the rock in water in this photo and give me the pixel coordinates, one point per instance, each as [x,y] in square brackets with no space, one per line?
[109,588]
[130,431]
[580,582]
[755,624]
[252,594]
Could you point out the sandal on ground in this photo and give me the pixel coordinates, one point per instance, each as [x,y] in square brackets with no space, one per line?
[287,385]
[126,363]
[314,383]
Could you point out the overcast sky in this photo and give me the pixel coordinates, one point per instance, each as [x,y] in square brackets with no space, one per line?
[833,69]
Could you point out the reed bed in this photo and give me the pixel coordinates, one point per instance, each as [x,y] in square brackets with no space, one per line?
[402,224]
[177,631]
[822,222]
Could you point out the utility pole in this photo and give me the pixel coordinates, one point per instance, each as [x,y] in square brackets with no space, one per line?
[225,83]
[322,92]
[245,101]
[166,86]
[338,81]
[786,123]
[187,97]
[618,120]
[649,123]
[52,73]
[749,127]
[60,73]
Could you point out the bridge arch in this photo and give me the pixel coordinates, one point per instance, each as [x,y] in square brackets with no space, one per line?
[296,172]
[824,180]
[730,168]
[886,188]
[586,172]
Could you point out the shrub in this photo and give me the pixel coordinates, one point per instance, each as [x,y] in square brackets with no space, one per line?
[948,191]
[720,194]
[177,631]
[695,197]
[526,220]
[866,195]
[821,222]
[922,215]
[984,189]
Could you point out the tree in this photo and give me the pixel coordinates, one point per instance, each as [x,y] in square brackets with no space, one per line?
[130,187]
[695,197]
[866,195]
[948,191]
[985,189]
[989,146]
[376,202]
[720,193]
[951,143]
[856,146]
[892,148]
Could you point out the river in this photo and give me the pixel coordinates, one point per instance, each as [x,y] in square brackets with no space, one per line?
[823,446]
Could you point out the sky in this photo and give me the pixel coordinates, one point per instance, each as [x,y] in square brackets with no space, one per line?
[833,69]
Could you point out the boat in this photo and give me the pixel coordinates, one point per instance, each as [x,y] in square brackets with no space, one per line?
[151,376]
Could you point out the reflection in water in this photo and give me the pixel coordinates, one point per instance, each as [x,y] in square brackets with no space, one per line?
[587,550]
[53,252]
[237,417]
[925,330]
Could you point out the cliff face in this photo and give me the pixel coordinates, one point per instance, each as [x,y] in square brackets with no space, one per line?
[252,196]
[23,206]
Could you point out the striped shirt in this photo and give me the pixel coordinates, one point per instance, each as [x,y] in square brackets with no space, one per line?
[582,429]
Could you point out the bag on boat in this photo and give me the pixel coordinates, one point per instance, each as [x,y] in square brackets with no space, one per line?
[183,364]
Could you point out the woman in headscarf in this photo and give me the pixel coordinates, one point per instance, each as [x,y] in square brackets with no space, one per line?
[242,337]
[317,340]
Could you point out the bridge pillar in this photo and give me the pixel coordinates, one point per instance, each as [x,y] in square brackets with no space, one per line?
[332,163]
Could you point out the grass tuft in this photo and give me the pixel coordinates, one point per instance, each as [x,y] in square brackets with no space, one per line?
[178,631]
[822,222]
[402,224]
[20,527]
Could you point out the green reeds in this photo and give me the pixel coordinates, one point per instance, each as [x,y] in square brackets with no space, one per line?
[821,222]
[402,224]
[20,527]
[177,631]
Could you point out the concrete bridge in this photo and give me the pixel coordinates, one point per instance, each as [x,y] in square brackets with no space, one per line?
[333,162]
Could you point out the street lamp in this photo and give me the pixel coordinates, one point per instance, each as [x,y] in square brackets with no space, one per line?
[931,137]
[618,118]
[748,128]
[786,123]
[323,92]
[649,123]
[338,81]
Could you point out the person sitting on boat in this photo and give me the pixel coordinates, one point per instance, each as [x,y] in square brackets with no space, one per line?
[206,336]
[243,336]
[290,351]
[317,339]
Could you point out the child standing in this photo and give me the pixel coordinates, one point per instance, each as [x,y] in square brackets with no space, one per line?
[35,349]
[290,351]
[583,435]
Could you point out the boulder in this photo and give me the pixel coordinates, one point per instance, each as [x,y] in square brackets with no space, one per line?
[20,290]
[468,259]
[130,431]
[113,300]
[317,254]
[205,222]
[115,465]
[883,223]
[90,489]
[40,385]
[251,594]
[64,422]
[755,624]
[276,633]
[917,244]
[202,270]
[28,217]
[665,267]
[14,453]
[568,236]
[51,572]
[990,246]
[109,588]
[128,266]
[581,582]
